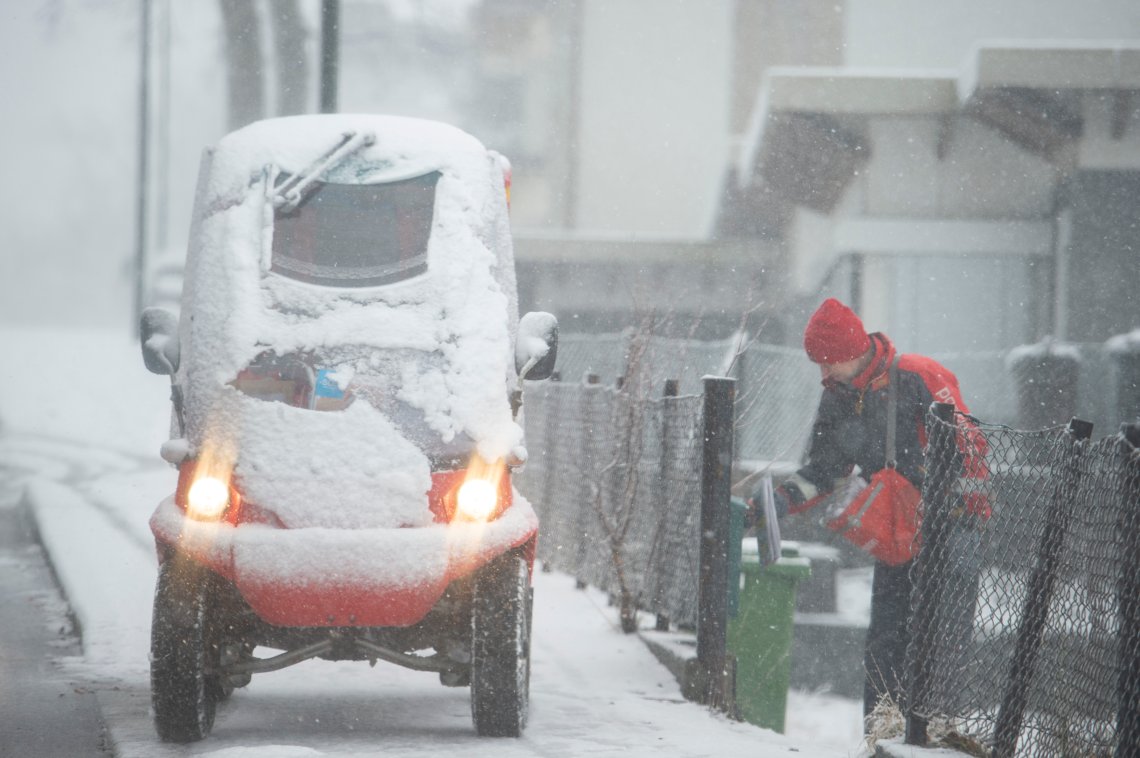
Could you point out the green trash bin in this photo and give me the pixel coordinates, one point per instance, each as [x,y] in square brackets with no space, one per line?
[738,510]
[760,636]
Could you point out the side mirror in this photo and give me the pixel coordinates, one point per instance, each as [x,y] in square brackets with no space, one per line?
[158,333]
[537,345]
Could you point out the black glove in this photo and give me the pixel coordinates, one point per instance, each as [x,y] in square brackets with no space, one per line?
[781,499]
[755,512]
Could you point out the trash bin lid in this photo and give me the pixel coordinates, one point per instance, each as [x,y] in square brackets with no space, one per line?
[791,562]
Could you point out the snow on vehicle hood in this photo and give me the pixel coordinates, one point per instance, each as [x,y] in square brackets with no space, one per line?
[462,310]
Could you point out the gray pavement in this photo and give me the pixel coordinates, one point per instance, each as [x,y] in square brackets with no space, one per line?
[44,712]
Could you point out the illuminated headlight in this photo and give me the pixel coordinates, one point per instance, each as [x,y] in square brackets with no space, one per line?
[208,498]
[477,499]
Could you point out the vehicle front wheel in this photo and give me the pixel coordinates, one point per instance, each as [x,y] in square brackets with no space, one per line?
[500,650]
[183,653]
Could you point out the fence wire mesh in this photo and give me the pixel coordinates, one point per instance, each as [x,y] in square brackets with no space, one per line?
[615,477]
[1025,619]
[777,387]
[1024,631]
[609,356]
[778,390]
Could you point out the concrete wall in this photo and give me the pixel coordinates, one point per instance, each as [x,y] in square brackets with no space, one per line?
[933,34]
[653,115]
[780,33]
[945,236]
[1100,148]
[979,176]
[600,284]
[1103,256]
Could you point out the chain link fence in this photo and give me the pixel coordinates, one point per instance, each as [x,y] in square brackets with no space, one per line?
[1026,638]
[778,388]
[1025,608]
[615,477]
[778,391]
[609,357]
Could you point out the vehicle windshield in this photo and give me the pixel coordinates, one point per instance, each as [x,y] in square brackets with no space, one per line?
[355,235]
[333,380]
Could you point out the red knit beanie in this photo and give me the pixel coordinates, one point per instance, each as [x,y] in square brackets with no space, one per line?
[835,334]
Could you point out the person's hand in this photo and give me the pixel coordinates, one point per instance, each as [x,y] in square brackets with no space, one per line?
[755,515]
[780,499]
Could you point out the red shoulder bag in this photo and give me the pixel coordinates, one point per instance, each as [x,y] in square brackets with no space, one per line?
[883,517]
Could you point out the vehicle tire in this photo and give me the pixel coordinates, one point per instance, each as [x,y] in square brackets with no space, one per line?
[182,652]
[500,647]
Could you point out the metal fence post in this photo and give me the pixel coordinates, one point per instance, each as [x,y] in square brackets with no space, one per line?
[590,470]
[1128,678]
[943,461]
[671,390]
[555,444]
[330,54]
[1039,595]
[712,597]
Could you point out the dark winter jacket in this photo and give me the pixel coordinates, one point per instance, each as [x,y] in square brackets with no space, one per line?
[851,424]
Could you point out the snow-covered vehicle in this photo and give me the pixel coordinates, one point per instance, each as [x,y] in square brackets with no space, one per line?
[345,376]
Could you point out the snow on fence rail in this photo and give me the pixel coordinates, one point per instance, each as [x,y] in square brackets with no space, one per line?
[1026,624]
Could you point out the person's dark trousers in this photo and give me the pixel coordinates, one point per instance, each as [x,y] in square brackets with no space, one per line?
[884,658]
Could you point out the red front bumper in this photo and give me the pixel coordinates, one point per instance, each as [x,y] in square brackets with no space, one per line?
[339,577]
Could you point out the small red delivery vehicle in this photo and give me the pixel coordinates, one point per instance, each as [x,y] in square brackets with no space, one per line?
[345,374]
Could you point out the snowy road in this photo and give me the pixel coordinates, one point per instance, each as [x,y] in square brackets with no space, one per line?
[594,690]
[43,710]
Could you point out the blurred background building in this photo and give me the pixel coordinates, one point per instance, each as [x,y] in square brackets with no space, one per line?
[966,175]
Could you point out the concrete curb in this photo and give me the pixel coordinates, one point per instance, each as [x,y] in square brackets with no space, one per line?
[894,748]
[674,650]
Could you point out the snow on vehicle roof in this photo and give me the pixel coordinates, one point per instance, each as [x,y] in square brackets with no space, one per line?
[403,147]
[461,311]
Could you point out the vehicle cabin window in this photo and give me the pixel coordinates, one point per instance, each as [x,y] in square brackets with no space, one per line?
[356,235]
[287,379]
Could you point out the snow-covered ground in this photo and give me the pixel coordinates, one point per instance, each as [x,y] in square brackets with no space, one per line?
[80,426]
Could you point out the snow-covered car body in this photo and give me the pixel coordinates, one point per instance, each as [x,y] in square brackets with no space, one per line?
[345,373]
[346,357]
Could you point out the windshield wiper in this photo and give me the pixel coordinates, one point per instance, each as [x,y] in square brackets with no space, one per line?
[289,194]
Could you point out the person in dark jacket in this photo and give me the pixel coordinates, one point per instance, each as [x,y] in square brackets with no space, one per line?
[850,430]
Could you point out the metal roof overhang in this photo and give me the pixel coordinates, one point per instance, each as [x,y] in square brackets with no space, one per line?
[809,136]
[1031,92]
